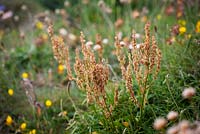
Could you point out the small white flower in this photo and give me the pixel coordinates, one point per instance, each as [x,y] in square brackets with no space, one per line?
[47,12]
[96,47]
[63,31]
[89,43]
[119,35]
[57,11]
[137,36]
[16,18]
[72,37]
[138,46]
[24,7]
[105,41]
[47,19]
[130,46]
[66,4]
[125,1]
[122,43]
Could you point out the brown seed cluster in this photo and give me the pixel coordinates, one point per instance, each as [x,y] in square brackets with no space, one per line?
[60,51]
[143,61]
[91,75]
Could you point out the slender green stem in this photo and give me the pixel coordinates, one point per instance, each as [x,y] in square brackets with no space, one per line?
[144,96]
[70,98]
[168,87]
[112,121]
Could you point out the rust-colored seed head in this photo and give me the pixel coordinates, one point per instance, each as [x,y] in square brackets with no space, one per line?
[144,59]
[58,49]
[91,76]
[100,78]
[116,97]
[67,61]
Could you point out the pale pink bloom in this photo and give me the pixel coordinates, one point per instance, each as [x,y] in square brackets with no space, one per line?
[173,130]
[172,115]
[184,125]
[159,123]
[7,15]
[188,93]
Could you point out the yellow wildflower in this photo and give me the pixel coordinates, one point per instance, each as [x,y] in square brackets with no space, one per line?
[198,27]
[126,124]
[144,19]
[182,30]
[48,103]
[23,126]
[44,36]
[39,25]
[182,22]
[94,132]
[9,120]
[24,75]
[179,14]
[63,113]
[60,69]
[10,92]
[32,131]
[189,36]
[100,123]
[158,17]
